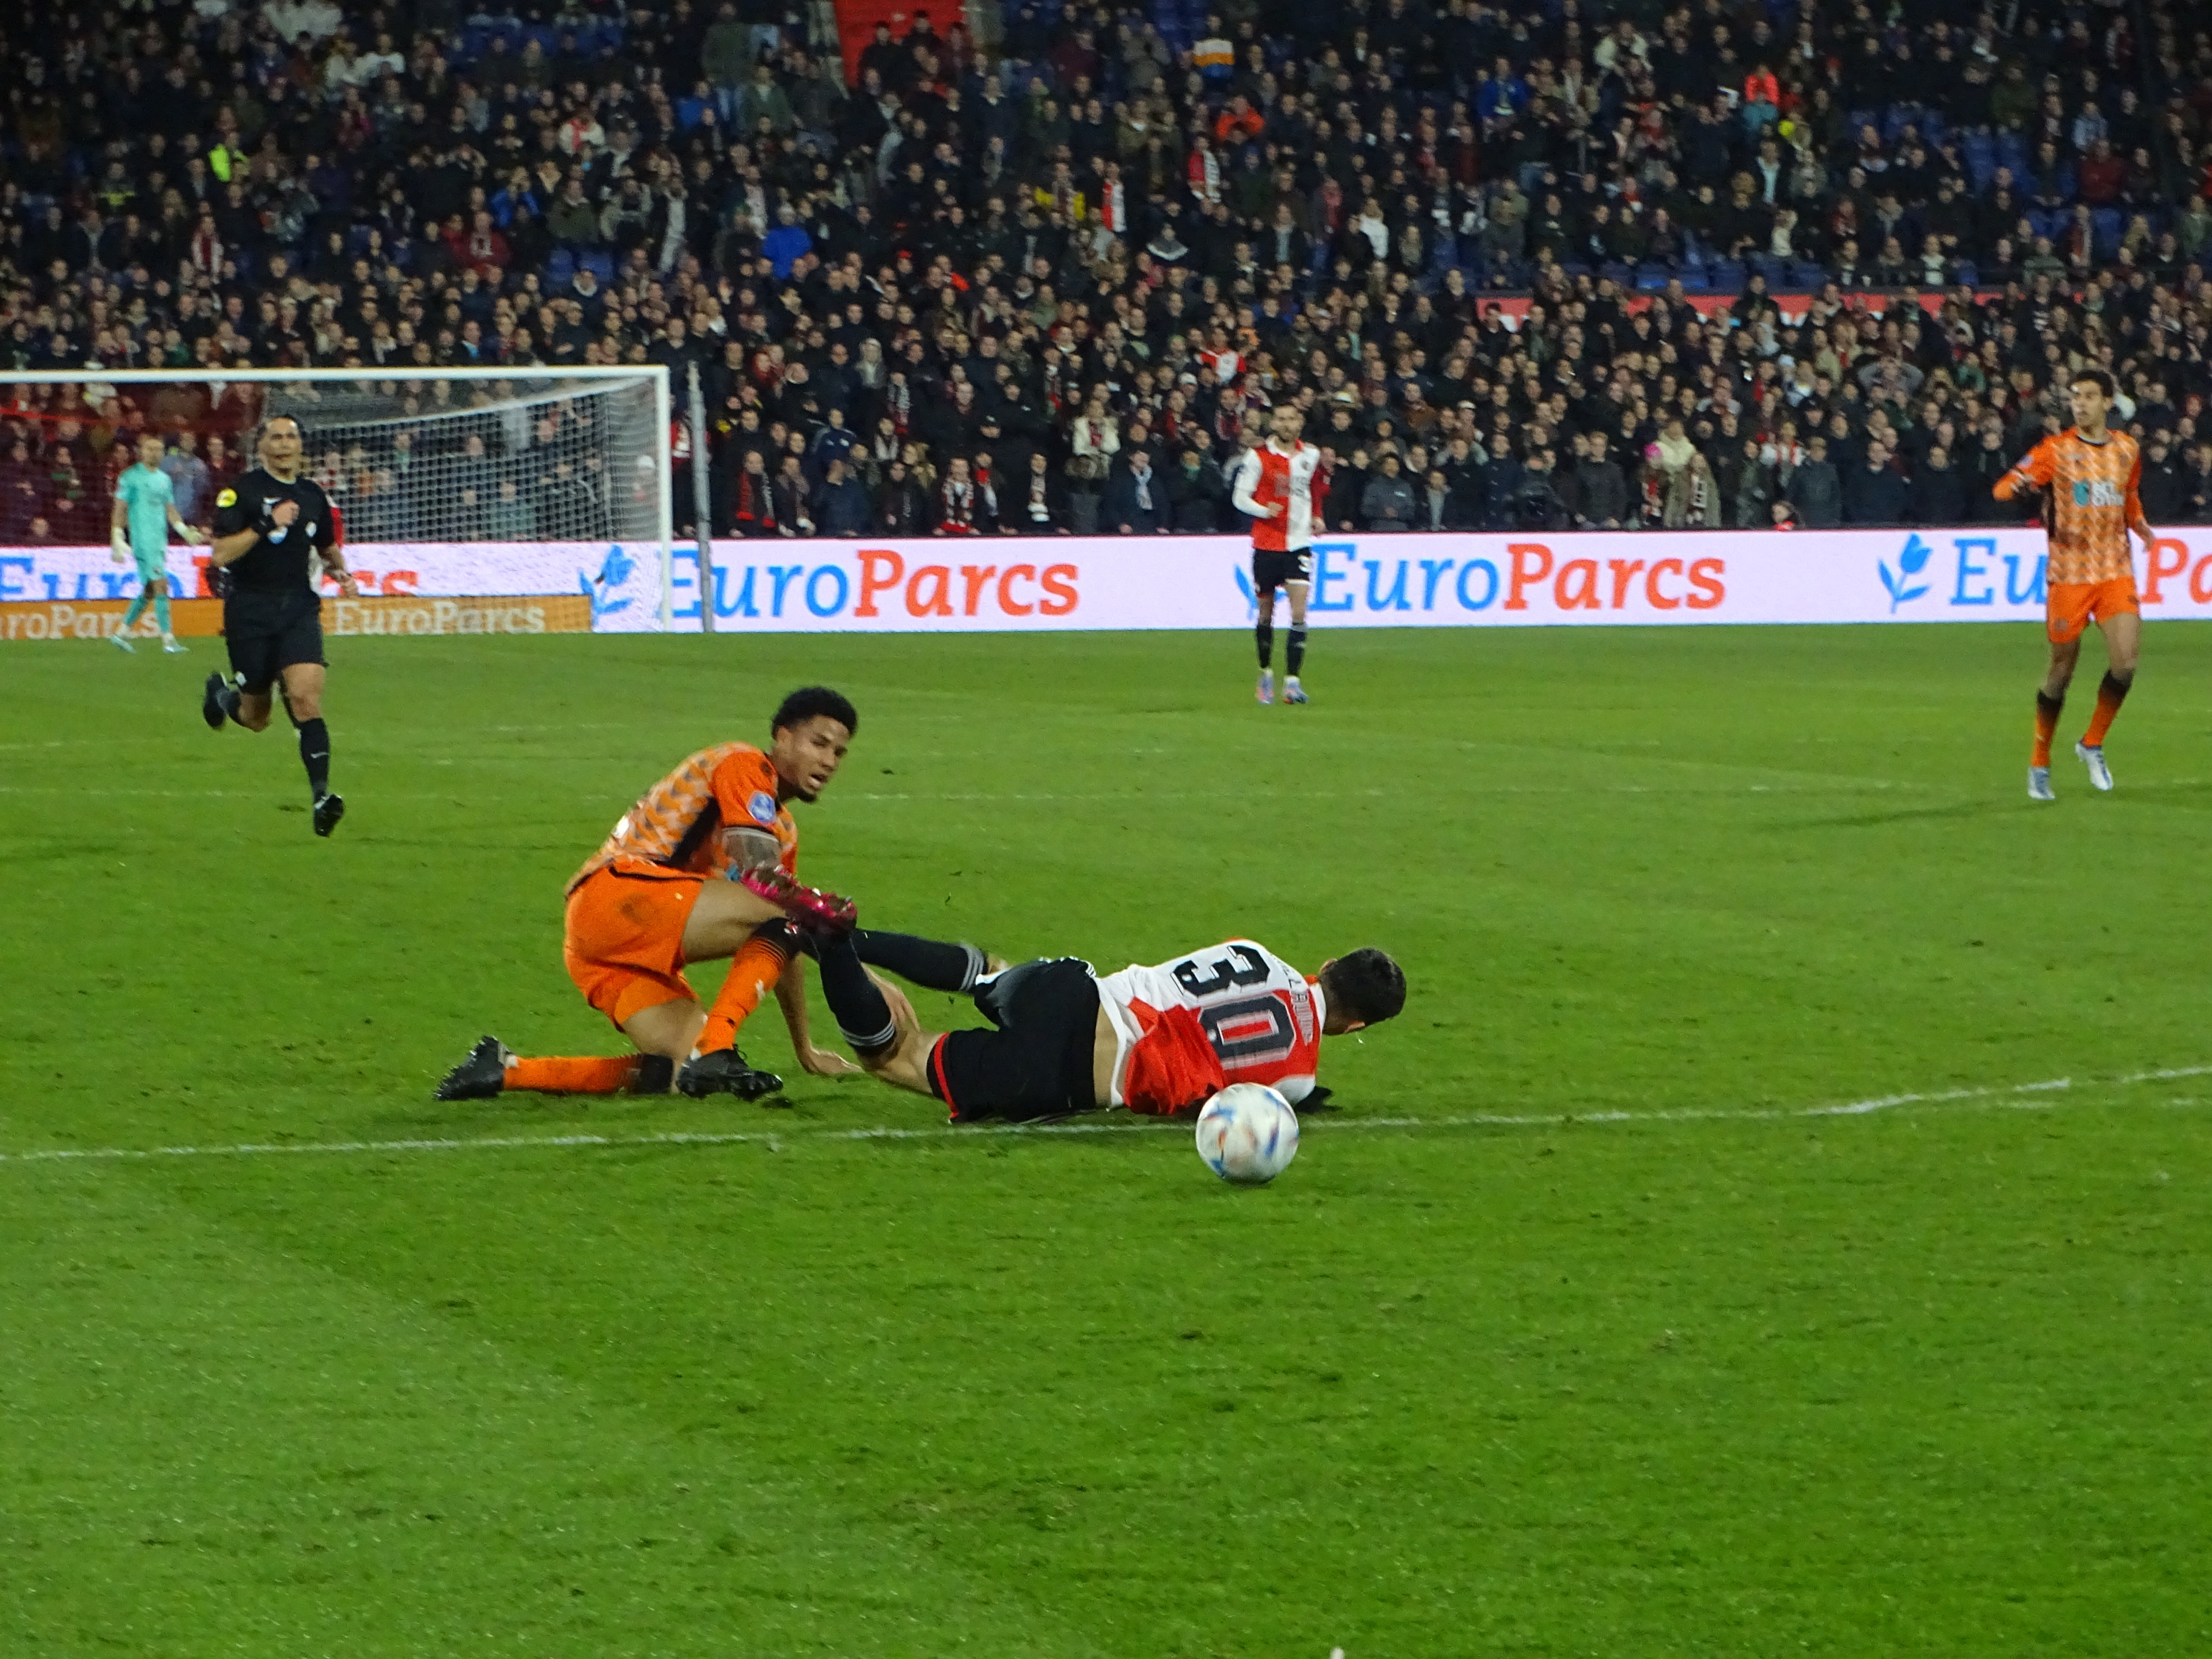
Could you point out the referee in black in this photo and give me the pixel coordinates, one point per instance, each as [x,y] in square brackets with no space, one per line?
[269,527]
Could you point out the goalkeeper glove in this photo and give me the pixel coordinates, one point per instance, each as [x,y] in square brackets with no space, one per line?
[119,546]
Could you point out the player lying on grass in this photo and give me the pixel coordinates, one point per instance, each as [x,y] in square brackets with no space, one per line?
[1157,1040]
[703,868]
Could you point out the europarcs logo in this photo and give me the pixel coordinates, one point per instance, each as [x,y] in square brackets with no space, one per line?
[1975,573]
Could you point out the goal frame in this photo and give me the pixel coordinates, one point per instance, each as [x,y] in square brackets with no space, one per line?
[655,373]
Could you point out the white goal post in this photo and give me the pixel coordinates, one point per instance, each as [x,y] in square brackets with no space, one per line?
[483,480]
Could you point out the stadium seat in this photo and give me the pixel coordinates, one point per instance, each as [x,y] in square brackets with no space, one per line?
[1725,276]
[2106,225]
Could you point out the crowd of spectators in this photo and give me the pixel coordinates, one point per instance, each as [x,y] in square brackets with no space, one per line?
[1633,264]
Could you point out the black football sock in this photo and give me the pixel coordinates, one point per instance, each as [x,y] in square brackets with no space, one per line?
[1265,635]
[315,755]
[1297,652]
[928,963]
[862,1015]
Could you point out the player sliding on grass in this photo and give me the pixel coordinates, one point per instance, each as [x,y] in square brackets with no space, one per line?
[700,869]
[2089,476]
[1279,484]
[1157,1040]
[145,513]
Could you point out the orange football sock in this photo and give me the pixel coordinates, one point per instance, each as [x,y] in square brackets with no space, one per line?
[2046,723]
[2111,694]
[589,1075]
[760,963]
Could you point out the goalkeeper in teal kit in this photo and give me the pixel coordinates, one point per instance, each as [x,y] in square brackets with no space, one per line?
[145,512]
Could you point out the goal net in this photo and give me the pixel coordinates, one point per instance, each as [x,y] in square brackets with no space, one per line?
[447,480]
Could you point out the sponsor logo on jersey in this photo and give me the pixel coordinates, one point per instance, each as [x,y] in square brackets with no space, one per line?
[2097,492]
[763,807]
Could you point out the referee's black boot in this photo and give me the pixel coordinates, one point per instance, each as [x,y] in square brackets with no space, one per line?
[217,699]
[724,1071]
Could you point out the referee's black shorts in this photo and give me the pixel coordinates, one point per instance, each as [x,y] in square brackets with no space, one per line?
[267,632]
[1271,569]
[1038,1062]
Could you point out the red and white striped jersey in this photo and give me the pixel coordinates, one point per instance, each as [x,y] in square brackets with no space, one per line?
[1234,1013]
[1276,478]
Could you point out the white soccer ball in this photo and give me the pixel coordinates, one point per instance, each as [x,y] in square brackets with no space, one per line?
[1248,1134]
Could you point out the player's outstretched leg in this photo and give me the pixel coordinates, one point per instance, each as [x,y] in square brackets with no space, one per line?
[857,1002]
[492,1068]
[931,963]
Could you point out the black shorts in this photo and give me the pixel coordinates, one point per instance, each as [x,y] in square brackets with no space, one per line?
[267,632]
[1271,570]
[1038,1062]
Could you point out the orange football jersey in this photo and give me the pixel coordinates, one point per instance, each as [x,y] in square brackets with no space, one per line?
[678,823]
[2090,503]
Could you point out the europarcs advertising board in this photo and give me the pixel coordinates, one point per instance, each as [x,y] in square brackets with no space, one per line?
[1010,583]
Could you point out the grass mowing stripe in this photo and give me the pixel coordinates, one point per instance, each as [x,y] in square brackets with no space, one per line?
[1993,1094]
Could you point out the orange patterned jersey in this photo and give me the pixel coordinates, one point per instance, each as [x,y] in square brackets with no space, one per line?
[2089,503]
[679,824]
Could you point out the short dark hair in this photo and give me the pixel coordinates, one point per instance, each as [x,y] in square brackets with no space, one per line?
[298,425]
[804,704]
[1364,985]
[2096,377]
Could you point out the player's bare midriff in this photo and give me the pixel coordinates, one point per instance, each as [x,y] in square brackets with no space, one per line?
[1105,1049]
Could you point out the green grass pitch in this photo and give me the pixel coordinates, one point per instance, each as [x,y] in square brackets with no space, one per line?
[1572,1333]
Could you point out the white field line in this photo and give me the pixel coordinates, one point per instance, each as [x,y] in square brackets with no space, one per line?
[2031,1096]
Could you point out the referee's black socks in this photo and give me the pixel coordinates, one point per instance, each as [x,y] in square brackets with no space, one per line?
[315,755]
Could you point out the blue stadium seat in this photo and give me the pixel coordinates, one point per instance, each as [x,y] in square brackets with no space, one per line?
[2106,225]
[560,269]
[600,263]
[1981,159]
[1651,278]
[1725,276]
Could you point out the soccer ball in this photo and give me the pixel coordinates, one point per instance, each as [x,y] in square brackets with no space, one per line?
[1248,1134]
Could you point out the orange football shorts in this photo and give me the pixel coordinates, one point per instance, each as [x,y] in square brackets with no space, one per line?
[2071,606]
[624,944]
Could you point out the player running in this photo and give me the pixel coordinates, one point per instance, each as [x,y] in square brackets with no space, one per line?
[1157,1040]
[700,869]
[270,528]
[145,512]
[1279,485]
[2090,475]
